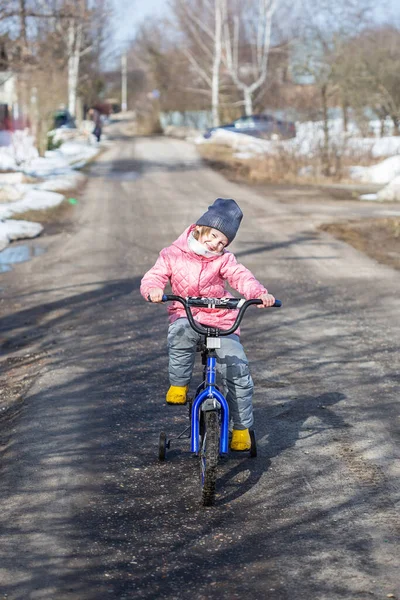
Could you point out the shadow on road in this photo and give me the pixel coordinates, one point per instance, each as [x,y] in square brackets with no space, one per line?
[86,503]
[276,433]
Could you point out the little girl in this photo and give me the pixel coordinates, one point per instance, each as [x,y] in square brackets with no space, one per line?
[198,264]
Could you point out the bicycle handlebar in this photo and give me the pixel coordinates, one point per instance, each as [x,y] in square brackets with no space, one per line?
[230,303]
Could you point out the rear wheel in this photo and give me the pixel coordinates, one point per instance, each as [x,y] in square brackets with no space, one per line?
[209,453]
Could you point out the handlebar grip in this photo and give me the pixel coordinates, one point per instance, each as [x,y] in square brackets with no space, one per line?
[277,304]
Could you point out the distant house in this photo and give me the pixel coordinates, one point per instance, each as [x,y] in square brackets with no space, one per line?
[8,99]
[11,117]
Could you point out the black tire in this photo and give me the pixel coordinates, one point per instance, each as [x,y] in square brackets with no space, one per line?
[209,453]
[162,446]
[253,447]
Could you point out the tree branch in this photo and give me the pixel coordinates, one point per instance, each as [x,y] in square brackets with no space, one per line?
[197,67]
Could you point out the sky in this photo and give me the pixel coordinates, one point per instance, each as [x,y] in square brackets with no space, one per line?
[129,14]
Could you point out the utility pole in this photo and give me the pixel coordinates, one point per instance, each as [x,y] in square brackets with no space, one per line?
[124,104]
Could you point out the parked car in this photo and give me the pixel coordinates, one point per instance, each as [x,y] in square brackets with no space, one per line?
[263,126]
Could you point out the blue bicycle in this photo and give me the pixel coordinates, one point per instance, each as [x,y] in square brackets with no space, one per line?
[208,428]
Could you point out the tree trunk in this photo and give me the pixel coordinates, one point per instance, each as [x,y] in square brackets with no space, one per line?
[22,12]
[396,124]
[216,64]
[264,16]
[248,102]
[325,149]
[345,109]
[74,50]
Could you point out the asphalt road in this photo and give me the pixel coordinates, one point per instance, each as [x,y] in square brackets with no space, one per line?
[88,512]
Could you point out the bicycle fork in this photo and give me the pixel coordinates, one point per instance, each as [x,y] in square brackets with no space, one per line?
[210,399]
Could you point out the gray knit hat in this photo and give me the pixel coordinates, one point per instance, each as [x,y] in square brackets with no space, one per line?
[224,215]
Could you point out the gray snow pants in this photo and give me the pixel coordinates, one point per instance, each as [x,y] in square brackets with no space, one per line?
[232,366]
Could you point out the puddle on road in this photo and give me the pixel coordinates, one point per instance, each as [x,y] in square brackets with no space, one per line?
[18,254]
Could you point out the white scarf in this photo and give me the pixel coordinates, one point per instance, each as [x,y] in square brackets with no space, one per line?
[199,249]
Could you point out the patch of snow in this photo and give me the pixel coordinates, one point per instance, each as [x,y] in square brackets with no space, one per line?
[10,193]
[370,197]
[56,171]
[70,155]
[19,151]
[391,192]
[14,230]
[383,172]
[241,142]
[244,155]
[11,178]
[33,200]
[377,147]
[62,183]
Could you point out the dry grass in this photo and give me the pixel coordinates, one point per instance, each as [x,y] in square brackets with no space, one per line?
[284,167]
[378,238]
[280,168]
[60,213]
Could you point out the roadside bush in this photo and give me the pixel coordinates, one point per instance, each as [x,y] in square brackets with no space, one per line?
[52,142]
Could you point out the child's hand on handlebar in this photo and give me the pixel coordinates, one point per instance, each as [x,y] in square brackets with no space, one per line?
[267,300]
[155,295]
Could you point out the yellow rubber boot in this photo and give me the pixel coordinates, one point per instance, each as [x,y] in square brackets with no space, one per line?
[240,440]
[177,394]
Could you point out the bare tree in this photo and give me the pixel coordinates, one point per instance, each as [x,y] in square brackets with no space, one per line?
[47,41]
[248,69]
[201,24]
[324,34]
[78,44]
[379,51]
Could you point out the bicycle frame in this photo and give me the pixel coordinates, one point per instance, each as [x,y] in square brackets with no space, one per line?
[210,392]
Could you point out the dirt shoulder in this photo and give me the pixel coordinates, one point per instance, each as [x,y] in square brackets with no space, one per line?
[378,238]
[20,358]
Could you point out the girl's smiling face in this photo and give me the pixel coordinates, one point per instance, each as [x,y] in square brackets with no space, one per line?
[212,239]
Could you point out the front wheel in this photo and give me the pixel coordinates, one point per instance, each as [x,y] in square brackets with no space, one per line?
[209,453]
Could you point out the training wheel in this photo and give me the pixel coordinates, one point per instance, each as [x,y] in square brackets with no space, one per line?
[253,447]
[162,446]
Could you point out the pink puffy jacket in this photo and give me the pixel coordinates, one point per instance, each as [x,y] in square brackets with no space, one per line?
[194,275]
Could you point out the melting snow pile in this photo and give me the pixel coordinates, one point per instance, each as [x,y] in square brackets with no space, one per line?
[31,182]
